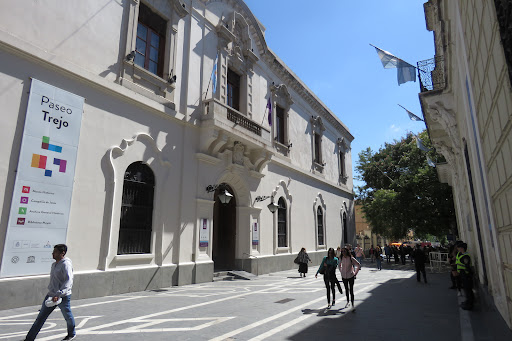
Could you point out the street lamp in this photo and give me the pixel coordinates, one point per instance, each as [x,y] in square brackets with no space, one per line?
[224,195]
[272,207]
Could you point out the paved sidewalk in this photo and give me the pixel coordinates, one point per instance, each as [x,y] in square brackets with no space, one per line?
[390,305]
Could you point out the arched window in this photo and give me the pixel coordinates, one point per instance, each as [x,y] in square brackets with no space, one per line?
[317,132]
[136,210]
[320,225]
[282,240]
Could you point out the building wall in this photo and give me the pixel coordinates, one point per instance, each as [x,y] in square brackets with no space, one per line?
[181,131]
[469,122]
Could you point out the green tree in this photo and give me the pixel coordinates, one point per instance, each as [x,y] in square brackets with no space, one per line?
[402,192]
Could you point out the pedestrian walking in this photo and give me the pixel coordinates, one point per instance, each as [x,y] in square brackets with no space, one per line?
[349,267]
[359,254]
[419,263]
[338,252]
[387,252]
[378,257]
[402,254]
[328,269]
[59,294]
[395,253]
[465,271]
[372,253]
[303,259]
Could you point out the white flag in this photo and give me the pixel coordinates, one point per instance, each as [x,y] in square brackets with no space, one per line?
[419,144]
[406,72]
[411,115]
[430,162]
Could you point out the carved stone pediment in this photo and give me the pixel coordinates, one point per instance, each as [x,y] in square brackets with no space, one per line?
[235,38]
[343,144]
[282,95]
[317,123]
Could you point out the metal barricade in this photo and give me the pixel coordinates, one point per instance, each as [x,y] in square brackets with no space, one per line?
[439,261]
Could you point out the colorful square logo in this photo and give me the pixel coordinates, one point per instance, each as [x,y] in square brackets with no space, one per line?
[24,200]
[21,221]
[25,189]
[22,210]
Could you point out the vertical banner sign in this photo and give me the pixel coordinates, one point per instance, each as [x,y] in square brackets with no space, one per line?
[255,234]
[44,181]
[204,232]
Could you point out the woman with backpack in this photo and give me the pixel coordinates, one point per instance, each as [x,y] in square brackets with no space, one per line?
[328,269]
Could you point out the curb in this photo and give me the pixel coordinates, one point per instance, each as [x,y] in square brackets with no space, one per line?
[466,329]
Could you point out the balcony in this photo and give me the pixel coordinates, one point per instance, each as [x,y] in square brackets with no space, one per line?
[224,128]
[234,124]
[431,74]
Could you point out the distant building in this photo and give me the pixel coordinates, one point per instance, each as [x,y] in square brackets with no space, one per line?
[184,106]
[466,98]
[364,234]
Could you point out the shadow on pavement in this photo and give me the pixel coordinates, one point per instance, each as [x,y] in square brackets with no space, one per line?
[398,309]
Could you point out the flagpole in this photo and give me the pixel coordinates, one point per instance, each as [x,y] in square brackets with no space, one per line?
[397,58]
[207,88]
[411,113]
[264,117]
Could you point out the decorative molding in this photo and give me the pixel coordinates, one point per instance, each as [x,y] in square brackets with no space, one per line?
[207,159]
[317,123]
[238,153]
[282,71]
[282,95]
[180,7]
[252,22]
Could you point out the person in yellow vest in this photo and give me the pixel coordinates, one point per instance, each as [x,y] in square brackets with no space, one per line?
[463,262]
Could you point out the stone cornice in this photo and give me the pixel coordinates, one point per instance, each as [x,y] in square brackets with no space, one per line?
[292,81]
[280,69]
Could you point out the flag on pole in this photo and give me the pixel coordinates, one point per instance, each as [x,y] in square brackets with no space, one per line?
[411,115]
[405,71]
[213,77]
[269,107]
[419,144]
[430,162]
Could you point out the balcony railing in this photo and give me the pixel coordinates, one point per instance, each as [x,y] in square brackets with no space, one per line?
[431,74]
[244,122]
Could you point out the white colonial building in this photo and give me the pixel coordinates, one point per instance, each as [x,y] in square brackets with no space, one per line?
[160,143]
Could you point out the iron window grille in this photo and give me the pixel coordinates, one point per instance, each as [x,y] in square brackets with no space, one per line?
[135,228]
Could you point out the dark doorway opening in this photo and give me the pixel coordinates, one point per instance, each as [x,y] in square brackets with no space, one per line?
[224,232]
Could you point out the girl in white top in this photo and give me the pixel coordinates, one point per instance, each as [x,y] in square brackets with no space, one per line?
[349,267]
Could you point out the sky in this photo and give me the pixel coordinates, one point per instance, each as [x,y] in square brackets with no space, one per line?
[326,44]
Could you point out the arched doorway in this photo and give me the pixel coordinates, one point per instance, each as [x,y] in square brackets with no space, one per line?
[224,231]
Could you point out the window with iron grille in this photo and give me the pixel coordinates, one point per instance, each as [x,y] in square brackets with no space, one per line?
[281,223]
[280,125]
[150,44]
[320,225]
[342,163]
[135,228]
[233,90]
[318,148]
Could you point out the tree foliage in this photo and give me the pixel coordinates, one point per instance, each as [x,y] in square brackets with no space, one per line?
[402,192]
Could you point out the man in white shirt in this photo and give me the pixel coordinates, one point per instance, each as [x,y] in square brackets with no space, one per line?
[59,294]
